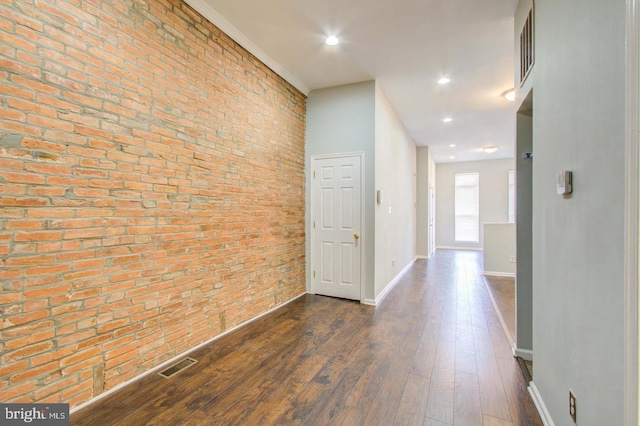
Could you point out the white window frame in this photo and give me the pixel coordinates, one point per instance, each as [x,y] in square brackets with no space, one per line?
[458,215]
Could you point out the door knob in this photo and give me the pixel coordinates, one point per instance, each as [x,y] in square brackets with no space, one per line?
[356,236]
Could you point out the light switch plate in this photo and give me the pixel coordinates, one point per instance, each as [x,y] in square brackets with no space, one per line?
[564,182]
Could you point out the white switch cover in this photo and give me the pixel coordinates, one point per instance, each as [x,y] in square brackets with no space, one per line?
[564,182]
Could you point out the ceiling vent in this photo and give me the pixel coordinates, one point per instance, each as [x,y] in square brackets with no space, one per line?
[527,51]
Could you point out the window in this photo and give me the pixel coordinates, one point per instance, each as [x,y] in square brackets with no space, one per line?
[467,207]
[512,196]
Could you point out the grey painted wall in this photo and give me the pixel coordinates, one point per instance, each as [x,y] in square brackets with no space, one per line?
[342,120]
[396,176]
[358,118]
[499,247]
[494,197]
[524,243]
[578,240]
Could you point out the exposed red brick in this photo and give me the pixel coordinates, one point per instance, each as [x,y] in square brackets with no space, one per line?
[147,184]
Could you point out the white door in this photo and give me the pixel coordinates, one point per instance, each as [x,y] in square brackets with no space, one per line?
[336,241]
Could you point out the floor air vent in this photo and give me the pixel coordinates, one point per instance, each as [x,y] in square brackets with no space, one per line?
[177,367]
[527,368]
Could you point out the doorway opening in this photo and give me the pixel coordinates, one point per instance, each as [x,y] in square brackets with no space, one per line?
[524,236]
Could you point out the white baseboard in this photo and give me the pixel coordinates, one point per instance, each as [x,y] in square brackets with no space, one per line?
[523,353]
[458,248]
[175,358]
[420,256]
[499,274]
[540,406]
[389,286]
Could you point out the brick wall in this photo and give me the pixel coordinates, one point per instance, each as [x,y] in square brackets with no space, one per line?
[151,191]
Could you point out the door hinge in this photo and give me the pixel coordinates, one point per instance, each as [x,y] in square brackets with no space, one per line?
[314,274]
[314,224]
[314,174]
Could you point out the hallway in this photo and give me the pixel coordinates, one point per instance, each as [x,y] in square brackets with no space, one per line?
[432,353]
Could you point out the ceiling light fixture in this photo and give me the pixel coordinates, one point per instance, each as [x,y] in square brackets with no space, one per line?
[444,80]
[447,120]
[452,157]
[453,145]
[490,149]
[510,95]
[332,40]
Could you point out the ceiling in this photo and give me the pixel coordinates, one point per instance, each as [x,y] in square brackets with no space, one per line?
[406,45]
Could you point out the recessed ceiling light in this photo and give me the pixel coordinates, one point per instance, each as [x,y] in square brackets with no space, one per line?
[510,95]
[444,80]
[452,157]
[332,40]
[490,149]
[447,120]
[453,145]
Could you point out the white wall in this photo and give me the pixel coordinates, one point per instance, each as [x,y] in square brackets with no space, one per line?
[422,201]
[499,247]
[426,177]
[395,174]
[432,208]
[341,120]
[494,197]
[578,240]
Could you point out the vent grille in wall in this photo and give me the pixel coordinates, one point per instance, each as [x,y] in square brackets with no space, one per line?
[526,47]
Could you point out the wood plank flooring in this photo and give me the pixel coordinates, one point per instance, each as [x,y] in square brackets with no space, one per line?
[433,353]
[503,290]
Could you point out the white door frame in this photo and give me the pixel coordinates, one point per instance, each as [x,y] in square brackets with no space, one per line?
[632,216]
[363,234]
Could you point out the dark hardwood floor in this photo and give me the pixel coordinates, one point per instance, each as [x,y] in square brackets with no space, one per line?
[503,290]
[432,353]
